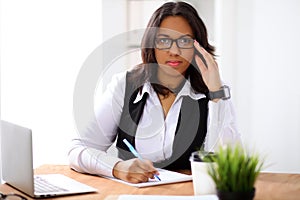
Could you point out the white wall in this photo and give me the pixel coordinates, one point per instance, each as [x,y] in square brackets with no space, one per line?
[43,45]
[260,46]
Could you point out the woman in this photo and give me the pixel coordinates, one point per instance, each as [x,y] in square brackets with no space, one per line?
[166,107]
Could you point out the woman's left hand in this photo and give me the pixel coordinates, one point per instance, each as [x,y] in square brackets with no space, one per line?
[210,73]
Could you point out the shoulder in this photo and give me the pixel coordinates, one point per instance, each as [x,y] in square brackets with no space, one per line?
[136,72]
[116,81]
[119,77]
[110,87]
[126,80]
[130,74]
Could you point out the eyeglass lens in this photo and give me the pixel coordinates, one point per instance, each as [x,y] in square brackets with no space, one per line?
[166,43]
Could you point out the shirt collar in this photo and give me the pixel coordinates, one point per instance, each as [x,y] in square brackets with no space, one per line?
[186,90]
[146,88]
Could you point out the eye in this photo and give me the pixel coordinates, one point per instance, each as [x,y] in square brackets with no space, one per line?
[163,41]
[185,41]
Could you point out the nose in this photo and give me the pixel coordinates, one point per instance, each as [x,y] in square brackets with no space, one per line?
[175,49]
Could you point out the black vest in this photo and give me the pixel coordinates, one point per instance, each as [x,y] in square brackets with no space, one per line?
[190,131]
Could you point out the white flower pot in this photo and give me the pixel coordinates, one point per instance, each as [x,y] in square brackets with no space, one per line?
[202,182]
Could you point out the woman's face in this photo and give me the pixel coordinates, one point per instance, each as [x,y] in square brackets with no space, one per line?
[174,60]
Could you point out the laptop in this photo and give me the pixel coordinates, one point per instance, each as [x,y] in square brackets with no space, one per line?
[17,167]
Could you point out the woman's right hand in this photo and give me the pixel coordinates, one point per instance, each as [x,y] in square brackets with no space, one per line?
[134,170]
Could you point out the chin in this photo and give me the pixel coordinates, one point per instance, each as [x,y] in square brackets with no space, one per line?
[170,71]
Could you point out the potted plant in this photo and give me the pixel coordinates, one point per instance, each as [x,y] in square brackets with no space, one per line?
[235,172]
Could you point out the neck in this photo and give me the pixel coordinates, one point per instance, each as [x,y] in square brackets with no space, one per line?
[170,82]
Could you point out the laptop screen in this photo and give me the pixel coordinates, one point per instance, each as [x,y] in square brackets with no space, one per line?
[16,153]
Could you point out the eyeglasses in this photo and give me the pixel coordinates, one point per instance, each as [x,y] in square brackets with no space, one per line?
[166,43]
[11,197]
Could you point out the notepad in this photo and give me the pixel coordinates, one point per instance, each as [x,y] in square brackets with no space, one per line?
[166,177]
[160,197]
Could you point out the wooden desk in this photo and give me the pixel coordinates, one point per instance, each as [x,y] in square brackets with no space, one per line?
[268,186]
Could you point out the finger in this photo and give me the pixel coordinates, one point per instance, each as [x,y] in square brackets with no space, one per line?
[147,165]
[197,45]
[203,53]
[134,179]
[210,61]
[200,64]
[140,177]
[144,167]
[149,169]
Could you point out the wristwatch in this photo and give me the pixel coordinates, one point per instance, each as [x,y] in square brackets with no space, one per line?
[223,93]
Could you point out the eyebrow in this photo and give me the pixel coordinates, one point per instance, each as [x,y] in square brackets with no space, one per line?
[165,35]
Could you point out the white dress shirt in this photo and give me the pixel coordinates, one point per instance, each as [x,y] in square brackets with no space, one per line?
[155,133]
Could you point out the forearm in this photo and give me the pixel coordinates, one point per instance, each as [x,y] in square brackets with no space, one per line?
[91,160]
[222,127]
[97,135]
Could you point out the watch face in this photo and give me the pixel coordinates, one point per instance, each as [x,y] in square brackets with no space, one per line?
[223,93]
[226,91]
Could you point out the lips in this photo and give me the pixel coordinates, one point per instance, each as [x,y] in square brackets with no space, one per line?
[173,63]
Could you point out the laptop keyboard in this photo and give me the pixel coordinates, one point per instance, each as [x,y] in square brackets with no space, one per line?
[41,186]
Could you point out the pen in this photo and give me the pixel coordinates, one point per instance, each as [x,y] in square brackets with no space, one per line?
[136,154]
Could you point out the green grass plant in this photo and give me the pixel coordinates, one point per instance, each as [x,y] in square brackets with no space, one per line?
[235,170]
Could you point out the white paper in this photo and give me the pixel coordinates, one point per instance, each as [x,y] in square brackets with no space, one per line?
[166,177]
[159,197]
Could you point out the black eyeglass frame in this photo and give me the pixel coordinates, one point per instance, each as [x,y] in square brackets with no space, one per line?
[172,41]
[4,196]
